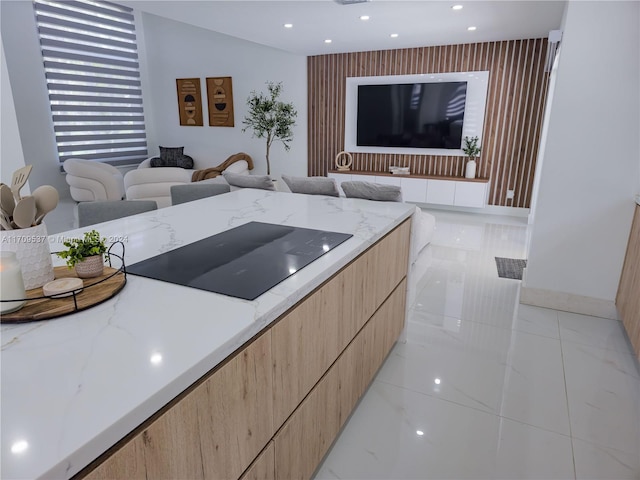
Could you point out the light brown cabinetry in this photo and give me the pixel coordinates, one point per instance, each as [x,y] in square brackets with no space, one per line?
[274,408]
[264,467]
[213,431]
[310,337]
[309,432]
[628,297]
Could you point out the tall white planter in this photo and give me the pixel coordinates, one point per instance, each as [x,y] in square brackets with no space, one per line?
[31,246]
[470,170]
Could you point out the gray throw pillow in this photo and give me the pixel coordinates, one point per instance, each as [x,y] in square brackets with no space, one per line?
[263,182]
[372,191]
[172,157]
[312,185]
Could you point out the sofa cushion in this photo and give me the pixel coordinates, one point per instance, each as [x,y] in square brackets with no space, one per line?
[312,185]
[263,182]
[372,191]
[172,157]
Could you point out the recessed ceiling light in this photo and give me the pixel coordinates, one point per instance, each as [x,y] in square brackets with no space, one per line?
[328,40]
[471,29]
[364,17]
[394,35]
[288,25]
[456,7]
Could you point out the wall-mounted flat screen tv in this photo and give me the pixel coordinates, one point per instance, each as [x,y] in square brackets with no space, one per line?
[411,115]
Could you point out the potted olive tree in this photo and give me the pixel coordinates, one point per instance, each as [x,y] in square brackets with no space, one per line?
[85,254]
[472,150]
[270,118]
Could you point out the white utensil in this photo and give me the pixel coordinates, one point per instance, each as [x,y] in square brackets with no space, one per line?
[19,179]
[5,222]
[7,202]
[47,198]
[25,212]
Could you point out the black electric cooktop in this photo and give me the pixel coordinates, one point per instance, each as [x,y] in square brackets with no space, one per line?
[243,262]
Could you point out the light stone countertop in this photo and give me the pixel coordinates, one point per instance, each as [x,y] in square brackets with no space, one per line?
[73,386]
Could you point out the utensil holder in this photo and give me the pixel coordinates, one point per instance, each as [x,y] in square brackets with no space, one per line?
[31,246]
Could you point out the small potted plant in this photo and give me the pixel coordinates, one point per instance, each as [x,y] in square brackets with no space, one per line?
[85,254]
[472,150]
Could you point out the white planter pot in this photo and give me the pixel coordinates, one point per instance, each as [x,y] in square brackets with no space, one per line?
[470,170]
[31,246]
[90,267]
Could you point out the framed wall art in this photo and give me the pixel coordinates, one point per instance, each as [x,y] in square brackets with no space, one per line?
[189,102]
[220,97]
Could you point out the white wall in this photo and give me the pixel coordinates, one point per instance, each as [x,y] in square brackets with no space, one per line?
[30,96]
[168,50]
[11,156]
[590,172]
[177,50]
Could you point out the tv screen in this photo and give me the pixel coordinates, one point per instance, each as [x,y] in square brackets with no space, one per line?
[412,115]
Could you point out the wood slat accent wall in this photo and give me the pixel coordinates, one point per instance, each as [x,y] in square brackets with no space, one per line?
[513,119]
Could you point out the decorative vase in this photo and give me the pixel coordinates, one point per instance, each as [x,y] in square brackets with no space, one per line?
[470,170]
[90,267]
[31,246]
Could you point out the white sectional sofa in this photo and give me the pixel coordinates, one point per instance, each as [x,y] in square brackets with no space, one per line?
[154,183]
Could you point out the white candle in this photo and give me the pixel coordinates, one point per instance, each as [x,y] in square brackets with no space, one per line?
[11,282]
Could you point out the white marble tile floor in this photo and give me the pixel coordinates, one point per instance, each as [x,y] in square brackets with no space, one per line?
[486,388]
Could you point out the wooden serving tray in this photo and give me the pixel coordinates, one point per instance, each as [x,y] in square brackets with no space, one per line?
[46,308]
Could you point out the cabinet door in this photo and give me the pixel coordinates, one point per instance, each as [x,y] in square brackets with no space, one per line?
[214,431]
[414,190]
[264,467]
[441,192]
[127,462]
[387,180]
[309,338]
[627,298]
[310,431]
[470,194]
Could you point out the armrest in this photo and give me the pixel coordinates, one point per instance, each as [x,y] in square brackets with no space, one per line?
[107,175]
[157,175]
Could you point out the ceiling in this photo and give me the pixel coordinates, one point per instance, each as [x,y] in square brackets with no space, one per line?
[417,22]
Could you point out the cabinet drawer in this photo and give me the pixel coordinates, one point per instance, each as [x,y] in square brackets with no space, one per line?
[309,338]
[309,432]
[214,431]
[264,467]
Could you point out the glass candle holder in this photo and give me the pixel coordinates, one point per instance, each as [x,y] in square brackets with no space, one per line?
[11,283]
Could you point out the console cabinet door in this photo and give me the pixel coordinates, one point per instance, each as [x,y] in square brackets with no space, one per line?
[214,431]
[387,180]
[414,190]
[470,194]
[441,192]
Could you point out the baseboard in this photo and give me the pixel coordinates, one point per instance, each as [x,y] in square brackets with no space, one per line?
[569,302]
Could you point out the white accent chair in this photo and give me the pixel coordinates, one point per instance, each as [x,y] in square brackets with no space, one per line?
[91,181]
[154,183]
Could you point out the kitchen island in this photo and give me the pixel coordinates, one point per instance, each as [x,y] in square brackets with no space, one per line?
[104,393]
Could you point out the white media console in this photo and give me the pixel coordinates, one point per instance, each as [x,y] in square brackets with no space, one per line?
[459,192]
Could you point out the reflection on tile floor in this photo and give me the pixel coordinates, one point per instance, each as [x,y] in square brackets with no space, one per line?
[487,388]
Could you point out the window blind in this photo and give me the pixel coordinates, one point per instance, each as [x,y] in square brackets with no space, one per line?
[91,66]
